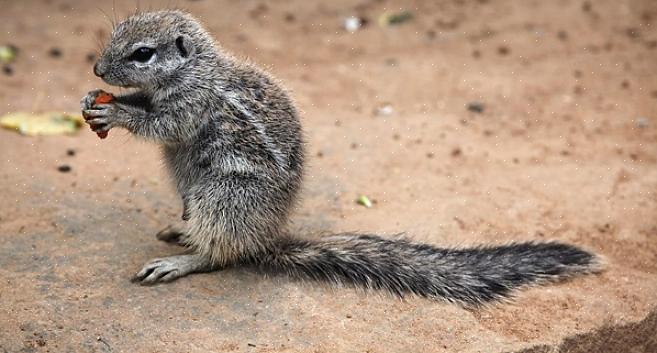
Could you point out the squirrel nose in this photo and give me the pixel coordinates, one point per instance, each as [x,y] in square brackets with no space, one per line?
[97,71]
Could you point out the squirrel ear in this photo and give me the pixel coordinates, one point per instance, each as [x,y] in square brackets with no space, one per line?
[184,46]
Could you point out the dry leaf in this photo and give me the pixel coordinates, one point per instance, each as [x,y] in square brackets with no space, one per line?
[51,123]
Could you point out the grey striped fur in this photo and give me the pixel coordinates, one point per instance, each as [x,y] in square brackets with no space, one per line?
[232,142]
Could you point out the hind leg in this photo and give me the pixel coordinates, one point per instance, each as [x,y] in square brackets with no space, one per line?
[178,233]
[174,234]
[233,219]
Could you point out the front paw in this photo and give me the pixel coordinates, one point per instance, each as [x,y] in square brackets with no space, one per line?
[102,117]
[87,102]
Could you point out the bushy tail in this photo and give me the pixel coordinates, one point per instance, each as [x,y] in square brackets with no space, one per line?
[470,276]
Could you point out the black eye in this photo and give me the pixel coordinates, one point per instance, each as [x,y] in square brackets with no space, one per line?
[142,54]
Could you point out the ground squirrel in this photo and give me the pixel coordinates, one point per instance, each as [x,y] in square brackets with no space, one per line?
[232,141]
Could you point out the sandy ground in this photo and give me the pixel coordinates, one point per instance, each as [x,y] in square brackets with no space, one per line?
[564,149]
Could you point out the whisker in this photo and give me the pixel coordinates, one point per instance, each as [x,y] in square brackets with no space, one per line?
[107,17]
[114,12]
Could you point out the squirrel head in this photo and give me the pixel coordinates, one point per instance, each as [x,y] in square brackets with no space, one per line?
[153,49]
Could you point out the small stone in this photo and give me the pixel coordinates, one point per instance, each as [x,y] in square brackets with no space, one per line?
[8,70]
[503,50]
[642,122]
[55,52]
[70,152]
[64,168]
[384,110]
[352,23]
[476,107]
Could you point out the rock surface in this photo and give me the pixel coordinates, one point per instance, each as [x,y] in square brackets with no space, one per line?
[555,154]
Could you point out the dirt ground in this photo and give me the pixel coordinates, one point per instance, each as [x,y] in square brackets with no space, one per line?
[565,148]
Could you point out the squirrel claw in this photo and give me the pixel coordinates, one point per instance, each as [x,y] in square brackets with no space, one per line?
[170,268]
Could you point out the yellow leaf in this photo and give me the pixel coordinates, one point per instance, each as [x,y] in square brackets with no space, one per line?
[51,123]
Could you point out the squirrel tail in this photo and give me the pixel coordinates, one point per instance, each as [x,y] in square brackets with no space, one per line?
[469,276]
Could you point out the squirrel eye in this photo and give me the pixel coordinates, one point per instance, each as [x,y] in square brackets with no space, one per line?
[142,54]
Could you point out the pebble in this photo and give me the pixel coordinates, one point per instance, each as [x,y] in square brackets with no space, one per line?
[64,168]
[352,23]
[55,52]
[476,107]
[642,122]
[384,110]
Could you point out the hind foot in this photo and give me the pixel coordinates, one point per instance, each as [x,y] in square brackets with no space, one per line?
[169,268]
[172,234]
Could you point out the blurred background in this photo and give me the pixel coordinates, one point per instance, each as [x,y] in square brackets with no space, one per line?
[458,122]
